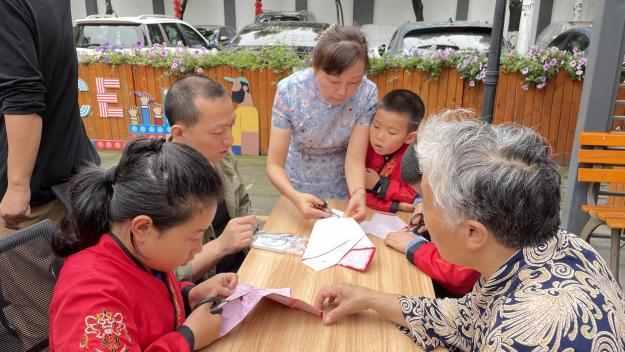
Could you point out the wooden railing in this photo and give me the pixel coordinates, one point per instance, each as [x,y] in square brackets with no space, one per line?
[552,111]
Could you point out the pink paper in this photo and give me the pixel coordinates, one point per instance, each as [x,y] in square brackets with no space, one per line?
[359,257]
[246,297]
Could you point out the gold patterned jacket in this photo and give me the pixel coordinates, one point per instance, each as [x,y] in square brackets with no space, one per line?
[558,296]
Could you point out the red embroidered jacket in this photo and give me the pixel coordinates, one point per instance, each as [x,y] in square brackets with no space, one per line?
[391,189]
[105,301]
[456,279]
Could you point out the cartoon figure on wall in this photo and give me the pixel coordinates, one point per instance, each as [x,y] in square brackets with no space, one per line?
[85,109]
[247,123]
[133,113]
[148,119]
[157,109]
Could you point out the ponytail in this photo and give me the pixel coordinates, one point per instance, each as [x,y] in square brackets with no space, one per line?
[90,215]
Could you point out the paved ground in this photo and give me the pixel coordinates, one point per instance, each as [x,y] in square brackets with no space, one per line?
[264,195]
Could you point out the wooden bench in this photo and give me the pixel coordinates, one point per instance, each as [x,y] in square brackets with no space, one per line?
[602,164]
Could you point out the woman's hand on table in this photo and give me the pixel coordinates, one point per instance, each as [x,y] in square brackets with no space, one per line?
[357,206]
[339,301]
[310,206]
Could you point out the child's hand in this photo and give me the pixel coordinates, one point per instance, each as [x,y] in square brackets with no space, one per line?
[372,178]
[310,206]
[399,240]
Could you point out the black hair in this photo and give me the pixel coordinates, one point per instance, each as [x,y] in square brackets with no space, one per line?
[407,103]
[339,48]
[180,107]
[410,171]
[166,181]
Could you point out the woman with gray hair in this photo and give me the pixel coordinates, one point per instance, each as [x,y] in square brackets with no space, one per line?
[491,197]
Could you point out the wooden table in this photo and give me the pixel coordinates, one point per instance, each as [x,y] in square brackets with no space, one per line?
[273,327]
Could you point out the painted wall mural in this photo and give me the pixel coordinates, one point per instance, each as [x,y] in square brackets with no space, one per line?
[148,118]
[85,109]
[246,130]
[104,97]
[146,115]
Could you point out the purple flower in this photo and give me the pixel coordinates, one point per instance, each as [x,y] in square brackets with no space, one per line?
[525,87]
[579,72]
[546,66]
[573,63]
[553,62]
[525,71]
[540,85]
[471,83]
[542,79]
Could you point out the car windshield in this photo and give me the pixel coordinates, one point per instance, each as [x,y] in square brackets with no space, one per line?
[454,38]
[114,35]
[207,33]
[296,36]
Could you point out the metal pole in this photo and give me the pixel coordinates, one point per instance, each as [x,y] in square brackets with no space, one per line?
[492,70]
[605,56]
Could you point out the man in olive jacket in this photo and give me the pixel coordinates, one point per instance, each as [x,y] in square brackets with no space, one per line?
[201,115]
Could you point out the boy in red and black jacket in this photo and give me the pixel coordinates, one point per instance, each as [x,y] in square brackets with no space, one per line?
[393,128]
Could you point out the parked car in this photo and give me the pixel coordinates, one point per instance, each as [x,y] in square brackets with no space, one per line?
[461,35]
[128,32]
[567,36]
[301,36]
[285,16]
[217,36]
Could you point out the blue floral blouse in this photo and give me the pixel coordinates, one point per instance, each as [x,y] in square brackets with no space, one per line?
[558,296]
[320,132]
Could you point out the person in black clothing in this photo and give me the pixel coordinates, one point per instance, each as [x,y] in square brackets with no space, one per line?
[42,143]
[42,139]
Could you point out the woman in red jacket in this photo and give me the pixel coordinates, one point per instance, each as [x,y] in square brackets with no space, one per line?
[133,225]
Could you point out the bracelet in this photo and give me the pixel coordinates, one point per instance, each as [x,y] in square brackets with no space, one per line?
[358,189]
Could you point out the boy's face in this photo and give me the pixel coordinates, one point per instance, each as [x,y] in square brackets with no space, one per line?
[212,134]
[390,131]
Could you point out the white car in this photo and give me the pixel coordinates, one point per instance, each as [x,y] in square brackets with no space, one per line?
[133,32]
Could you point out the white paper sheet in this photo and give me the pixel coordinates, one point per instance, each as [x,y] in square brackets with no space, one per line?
[330,240]
[381,225]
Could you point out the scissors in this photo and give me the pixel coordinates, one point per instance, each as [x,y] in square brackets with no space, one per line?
[416,222]
[327,209]
[217,304]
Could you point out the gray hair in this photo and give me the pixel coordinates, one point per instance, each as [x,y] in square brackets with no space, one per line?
[502,176]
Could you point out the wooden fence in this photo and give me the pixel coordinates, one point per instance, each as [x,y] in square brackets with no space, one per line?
[552,111]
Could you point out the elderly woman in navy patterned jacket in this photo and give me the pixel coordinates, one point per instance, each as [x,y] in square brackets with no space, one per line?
[491,198]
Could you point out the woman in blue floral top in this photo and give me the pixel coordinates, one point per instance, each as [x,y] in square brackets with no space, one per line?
[491,201]
[320,129]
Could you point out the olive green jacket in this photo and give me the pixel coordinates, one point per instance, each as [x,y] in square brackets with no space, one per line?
[237,203]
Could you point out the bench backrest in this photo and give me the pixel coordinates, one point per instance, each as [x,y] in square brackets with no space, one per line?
[602,160]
